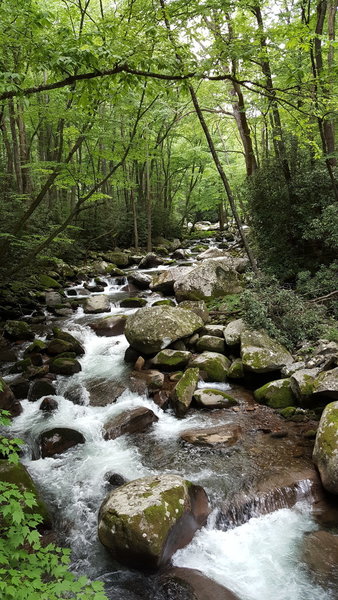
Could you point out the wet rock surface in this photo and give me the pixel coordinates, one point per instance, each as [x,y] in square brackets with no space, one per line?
[58,440]
[190,584]
[220,435]
[132,421]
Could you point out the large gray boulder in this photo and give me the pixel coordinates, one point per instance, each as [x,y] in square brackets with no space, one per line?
[139,280]
[145,521]
[164,282]
[233,332]
[96,304]
[151,329]
[325,453]
[262,354]
[302,384]
[210,279]
[326,384]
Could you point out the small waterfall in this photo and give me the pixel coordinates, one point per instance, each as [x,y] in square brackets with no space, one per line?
[242,507]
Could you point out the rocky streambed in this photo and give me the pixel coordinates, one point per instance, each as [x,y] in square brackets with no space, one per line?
[118,390]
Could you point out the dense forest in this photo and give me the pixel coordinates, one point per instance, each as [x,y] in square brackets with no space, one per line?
[121,122]
[130,127]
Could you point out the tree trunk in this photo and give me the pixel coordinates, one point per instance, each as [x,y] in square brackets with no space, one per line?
[223,178]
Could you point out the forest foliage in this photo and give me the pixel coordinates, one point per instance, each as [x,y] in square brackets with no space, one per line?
[101,143]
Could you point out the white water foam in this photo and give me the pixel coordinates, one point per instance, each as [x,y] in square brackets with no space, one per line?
[259,560]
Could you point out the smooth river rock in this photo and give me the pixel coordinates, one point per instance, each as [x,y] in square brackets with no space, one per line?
[320,554]
[58,440]
[109,326]
[144,522]
[209,398]
[134,420]
[219,435]
[151,329]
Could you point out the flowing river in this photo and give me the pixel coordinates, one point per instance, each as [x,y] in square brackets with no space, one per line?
[258,559]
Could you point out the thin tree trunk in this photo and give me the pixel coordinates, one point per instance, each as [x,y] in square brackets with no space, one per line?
[15,146]
[223,178]
[149,207]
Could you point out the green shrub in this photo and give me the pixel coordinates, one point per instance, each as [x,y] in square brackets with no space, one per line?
[293,223]
[29,571]
[284,314]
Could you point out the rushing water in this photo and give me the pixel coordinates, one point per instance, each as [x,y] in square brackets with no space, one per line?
[258,560]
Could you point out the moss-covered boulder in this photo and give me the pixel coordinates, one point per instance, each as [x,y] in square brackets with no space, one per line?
[210,343]
[64,366]
[133,303]
[215,366]
[184,390]
[276,394]
[38,346]
[209,398]
[302,385]
[18,475]
[143,523]
[118,258]
[67,337]
[325,453]
[261,354]
[96,304]
[211,279]
[57,346]
[236,369]
[152,329]
[8,401]
[18,331]
[164,302]
[171,359]
[47,282]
